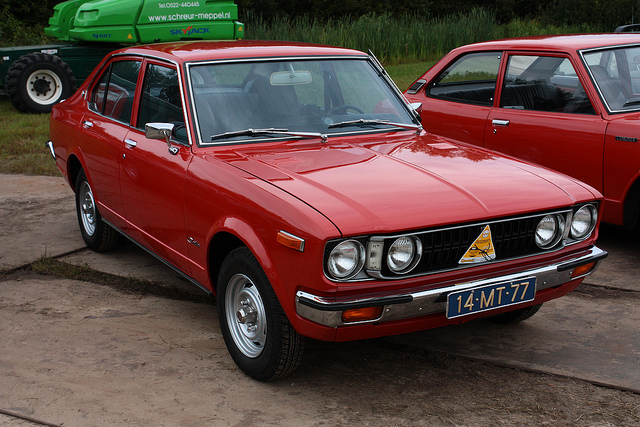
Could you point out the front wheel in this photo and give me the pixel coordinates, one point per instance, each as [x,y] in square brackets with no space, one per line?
[97,234]
[258,335]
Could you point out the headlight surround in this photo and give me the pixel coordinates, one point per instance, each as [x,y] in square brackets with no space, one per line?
[403,254]
[549,231]
[346,260]
[583,222]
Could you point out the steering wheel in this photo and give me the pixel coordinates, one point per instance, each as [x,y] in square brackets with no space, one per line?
[343,107]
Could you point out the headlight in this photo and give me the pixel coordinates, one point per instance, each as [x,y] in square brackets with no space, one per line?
[404,253]
[549,231]
[346,259]
[584,221]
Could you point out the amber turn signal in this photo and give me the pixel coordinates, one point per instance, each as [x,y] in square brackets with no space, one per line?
[290,241]
[582,270]
[361,314]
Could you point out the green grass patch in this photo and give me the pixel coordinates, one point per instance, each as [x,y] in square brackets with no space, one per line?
[130,285]
[22,142]
[23,136]
[405,74]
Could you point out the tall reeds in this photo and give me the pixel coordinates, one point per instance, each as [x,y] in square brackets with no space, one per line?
[397,40]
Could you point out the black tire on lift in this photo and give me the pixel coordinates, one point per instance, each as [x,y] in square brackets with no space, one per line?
[36,81]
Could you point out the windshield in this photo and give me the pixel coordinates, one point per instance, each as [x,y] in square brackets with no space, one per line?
[617,76]
[242,101]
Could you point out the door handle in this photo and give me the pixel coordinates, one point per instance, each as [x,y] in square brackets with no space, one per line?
[130,143]
[498,122]
[87,124]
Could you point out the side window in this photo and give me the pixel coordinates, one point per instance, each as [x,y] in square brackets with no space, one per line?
[544,83]
[161,101]
[113,95]
[471,79]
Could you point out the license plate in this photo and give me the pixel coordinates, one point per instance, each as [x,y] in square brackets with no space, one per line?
[490,297]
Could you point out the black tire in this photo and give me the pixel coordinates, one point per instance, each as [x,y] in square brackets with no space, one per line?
[97,234]
[258,335]
[516,316]
[36,81]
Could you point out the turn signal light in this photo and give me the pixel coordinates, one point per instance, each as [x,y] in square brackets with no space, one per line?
[290,241]
[361,314]
[582,270]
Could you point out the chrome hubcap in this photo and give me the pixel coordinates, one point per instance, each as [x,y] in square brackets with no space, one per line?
[87,209]
[246,316]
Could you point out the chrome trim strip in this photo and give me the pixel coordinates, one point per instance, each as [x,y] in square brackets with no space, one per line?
[364,57]
[328,313]
[159,258]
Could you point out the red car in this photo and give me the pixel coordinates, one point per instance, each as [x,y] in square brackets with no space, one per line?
[571,103]
[296,184]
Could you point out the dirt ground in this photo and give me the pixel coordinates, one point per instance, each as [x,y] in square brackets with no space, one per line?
[77,353]
[85,350]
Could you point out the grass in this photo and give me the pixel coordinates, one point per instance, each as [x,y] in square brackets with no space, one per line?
[22,136]
[22,139]
[131,285]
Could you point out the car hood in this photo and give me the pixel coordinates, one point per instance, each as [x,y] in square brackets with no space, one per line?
[404,184]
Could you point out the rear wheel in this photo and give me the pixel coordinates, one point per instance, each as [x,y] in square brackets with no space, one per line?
[258,335]
[36,81]
[97,234]
[516,316]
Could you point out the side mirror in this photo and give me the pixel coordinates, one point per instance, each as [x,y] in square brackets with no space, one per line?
[161,131]
[417,108]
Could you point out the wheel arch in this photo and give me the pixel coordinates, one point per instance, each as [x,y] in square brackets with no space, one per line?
[74,166]
[232,234]
[631,204]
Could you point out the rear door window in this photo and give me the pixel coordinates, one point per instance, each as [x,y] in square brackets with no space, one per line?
[114,92]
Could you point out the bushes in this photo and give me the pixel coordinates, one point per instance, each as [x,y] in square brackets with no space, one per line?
[16,33]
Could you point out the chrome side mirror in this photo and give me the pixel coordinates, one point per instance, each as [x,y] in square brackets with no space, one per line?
[161,131]
[417,108]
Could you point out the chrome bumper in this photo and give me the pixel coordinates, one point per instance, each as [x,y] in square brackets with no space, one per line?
[402,306]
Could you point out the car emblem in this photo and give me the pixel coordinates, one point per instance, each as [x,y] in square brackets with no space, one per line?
[481,250]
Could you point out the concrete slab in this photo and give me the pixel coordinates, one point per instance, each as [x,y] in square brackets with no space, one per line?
[622,268]
[37,217]
[129,260]
[594,338]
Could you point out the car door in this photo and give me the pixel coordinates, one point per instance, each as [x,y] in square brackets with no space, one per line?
[104,128]
[458,101]
[152,175]
[545,116]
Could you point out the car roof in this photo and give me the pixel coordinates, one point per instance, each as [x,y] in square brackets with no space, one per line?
[570,42]
[193,51]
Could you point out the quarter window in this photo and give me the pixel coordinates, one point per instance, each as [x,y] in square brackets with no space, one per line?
[544,83]
[471,79]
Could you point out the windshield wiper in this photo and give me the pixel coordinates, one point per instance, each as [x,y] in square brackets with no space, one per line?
[634,101]
[359,122]
[269,131]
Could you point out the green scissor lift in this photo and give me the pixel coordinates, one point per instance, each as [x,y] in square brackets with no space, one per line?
[37,77]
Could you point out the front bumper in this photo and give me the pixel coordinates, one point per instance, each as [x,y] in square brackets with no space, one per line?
[402,306]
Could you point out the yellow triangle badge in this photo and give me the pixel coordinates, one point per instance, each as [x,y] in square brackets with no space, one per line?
[129,36]
[481,250]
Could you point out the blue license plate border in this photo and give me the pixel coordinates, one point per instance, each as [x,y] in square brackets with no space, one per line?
[464,302]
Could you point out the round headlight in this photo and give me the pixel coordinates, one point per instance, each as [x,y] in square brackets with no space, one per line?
[549,231]
[404,253]
[346,259]
[584,220]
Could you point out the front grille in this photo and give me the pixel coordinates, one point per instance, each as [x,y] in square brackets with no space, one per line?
[442,249]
